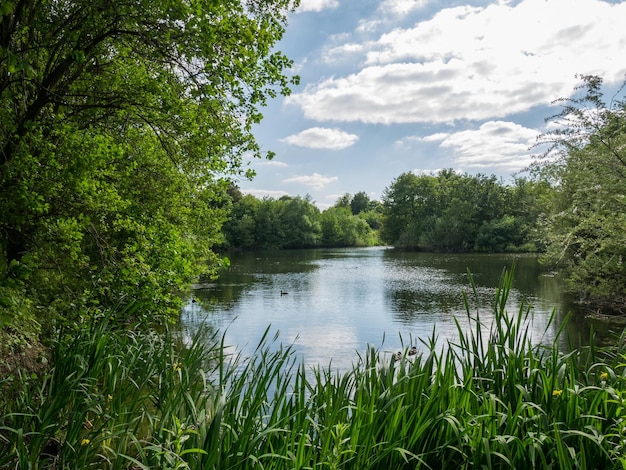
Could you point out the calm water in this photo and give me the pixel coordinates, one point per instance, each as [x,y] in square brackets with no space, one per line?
[340,301]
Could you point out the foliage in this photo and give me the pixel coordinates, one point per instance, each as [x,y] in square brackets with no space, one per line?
[446,212]
[120,399]
[359,203]
[409,202]
[299,219]
[341,228]
[295,222]
[585,230]
[452,212]
[121,124]
[114,397]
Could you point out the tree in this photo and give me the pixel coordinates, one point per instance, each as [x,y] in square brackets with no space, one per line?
[240,229]
[333,224]
[359,203]
[121,124]
[408,202]
[466,203]
[341,228]
[269,230]
[299,220]
[344,201]
[454,212]
[585,231]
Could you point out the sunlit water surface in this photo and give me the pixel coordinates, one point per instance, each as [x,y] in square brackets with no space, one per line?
[340,301]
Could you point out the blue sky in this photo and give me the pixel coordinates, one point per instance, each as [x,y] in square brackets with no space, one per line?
[394,86]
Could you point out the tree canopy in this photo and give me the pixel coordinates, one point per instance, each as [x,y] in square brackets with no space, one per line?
[585,231]
[295,222]
[455,212]
[121,123]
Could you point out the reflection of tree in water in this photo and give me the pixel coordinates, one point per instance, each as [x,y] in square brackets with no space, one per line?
[582,324]
[253,271]
[406,305]
[222,296]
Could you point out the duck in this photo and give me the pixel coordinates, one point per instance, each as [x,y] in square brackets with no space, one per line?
[399,356]
[282,292]
[413,351]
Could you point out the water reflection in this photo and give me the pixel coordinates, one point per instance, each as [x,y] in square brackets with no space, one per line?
[342,300]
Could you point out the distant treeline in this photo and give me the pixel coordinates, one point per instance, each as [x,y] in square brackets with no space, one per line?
[296,222]
[571,208]
[445,212]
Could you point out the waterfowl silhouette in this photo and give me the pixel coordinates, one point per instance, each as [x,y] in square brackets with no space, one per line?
[282,292]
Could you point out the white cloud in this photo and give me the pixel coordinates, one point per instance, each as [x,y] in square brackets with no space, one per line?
[334,55]
[322,138]
[315,181]
[298,66]
[412,140]
[495,144]
[316,5]
[272,163]
[402,7]
[474,63]
[436,137]
[368,26]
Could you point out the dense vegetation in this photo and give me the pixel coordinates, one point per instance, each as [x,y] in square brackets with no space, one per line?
[122,123]
[123,399]
[295,222]
[445,212]
[452,212]
[585,229]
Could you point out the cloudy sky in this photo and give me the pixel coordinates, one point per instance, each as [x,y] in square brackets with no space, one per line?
[393,86]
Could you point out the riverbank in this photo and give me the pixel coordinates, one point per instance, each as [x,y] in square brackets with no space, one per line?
[124,399]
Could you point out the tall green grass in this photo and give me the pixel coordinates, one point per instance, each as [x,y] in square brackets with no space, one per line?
[491,399]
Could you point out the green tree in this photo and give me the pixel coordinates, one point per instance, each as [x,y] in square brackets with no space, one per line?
[299,220]
[528,201]
[466,203]
[333,224]
[409,203]
[460,212]
[341,228]
[585,231]
[240,229]
[344,201]
[373,215]
[121,124]
[359,203]
[269,229]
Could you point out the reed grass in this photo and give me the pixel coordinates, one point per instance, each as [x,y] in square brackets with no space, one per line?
[117,398]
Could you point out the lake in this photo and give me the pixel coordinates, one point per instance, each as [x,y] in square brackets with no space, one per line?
[340,301]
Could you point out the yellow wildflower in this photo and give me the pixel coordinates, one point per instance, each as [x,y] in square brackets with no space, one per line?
[109,397]
[177,366]
[604,375]
[557,393]
[85,442]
